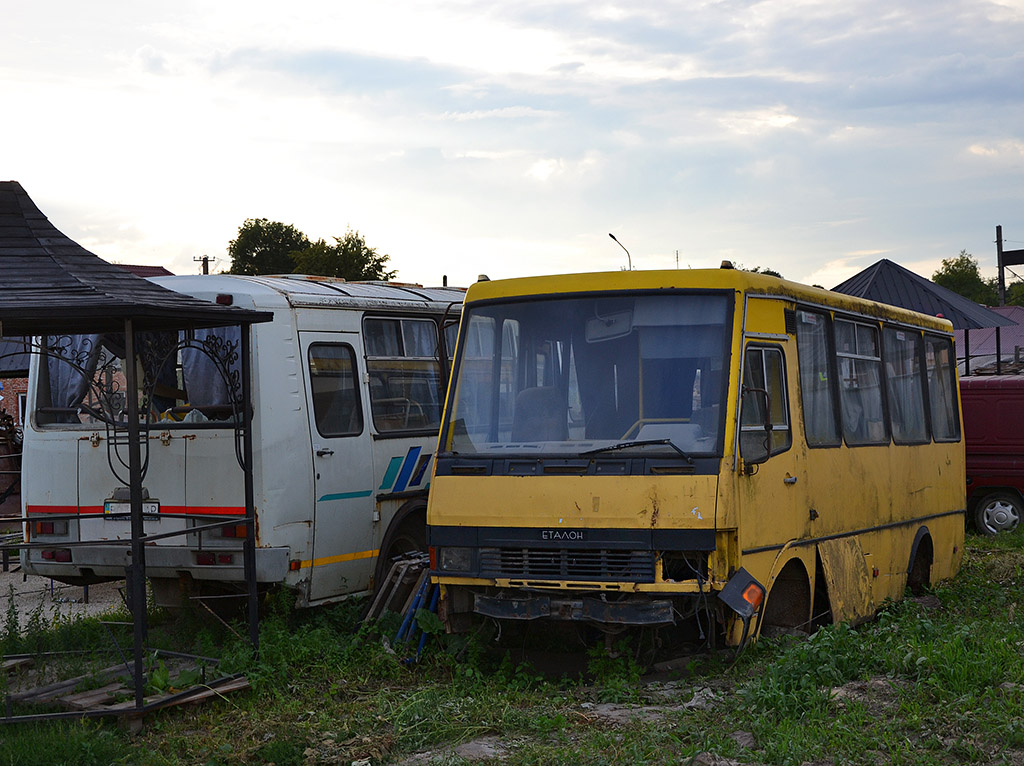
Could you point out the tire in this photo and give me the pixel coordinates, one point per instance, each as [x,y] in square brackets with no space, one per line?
[998,512]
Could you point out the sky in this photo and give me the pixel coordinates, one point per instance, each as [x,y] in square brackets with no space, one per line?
[463,137]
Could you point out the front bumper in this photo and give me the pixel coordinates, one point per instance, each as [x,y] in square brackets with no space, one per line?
[630,611]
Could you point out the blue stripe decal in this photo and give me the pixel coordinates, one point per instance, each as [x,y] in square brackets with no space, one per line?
[389,475]
[420,470]
[346,495]
[407,468]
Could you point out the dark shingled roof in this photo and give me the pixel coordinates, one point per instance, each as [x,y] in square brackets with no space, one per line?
[49,284]
[888,282]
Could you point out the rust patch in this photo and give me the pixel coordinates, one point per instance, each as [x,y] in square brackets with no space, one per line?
[654,511]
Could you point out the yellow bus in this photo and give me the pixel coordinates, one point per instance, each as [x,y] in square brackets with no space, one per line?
[717,450]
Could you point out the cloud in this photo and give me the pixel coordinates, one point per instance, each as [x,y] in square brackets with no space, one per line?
[150,60]
[506,113]
[758,121]
[1008,149]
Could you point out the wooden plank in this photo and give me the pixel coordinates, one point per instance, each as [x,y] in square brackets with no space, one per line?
[383,598]
[197,694]
[90,699]
[10,666]
[50,691]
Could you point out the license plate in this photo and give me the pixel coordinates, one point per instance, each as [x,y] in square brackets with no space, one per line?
[150,508]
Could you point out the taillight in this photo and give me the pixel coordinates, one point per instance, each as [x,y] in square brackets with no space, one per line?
[206,558]
[50,528]
[238,531]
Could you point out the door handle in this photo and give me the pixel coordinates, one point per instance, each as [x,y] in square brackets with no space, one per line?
[789,479]
[324,452]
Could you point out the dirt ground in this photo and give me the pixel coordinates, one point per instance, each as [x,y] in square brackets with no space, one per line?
[54,599]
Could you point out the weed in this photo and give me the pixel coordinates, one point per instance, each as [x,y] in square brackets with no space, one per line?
[615,671]
[934,682]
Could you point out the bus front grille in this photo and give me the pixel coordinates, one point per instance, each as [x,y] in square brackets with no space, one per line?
[563,564]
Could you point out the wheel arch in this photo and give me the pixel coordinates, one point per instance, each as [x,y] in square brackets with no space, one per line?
[412,515]
[788,601]
[919,569]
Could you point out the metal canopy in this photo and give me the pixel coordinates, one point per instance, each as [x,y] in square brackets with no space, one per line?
[888,282]
[50,284]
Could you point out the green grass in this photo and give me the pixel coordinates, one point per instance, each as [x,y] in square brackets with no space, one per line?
[924,683]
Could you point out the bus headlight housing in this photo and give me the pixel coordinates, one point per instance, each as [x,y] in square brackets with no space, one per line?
[454,559]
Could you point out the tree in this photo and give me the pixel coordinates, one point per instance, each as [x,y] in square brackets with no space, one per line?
[348,258]
[961,275]
[1015,294]
[265,247]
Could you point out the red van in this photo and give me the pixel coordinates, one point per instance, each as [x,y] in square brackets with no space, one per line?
[993,407]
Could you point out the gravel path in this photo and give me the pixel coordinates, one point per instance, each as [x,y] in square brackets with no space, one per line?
[55,599]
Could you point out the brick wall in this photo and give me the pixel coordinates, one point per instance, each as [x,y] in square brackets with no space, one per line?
[14,389]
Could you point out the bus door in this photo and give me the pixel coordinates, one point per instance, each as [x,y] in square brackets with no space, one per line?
[342,465]
[775,480]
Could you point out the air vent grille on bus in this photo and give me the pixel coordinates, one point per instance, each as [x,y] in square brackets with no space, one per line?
[562,564]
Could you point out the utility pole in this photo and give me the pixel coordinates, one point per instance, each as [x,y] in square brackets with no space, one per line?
[1005,258]
[205,260]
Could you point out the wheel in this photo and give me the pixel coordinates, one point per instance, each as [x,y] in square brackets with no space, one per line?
[997,512]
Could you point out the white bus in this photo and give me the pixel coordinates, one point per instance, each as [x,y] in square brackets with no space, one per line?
[347,387]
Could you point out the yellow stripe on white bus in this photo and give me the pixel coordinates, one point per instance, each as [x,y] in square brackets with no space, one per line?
[339,559]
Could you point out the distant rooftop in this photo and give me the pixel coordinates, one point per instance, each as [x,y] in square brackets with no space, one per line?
[146,271]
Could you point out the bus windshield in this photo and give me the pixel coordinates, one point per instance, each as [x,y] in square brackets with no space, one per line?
[577,374]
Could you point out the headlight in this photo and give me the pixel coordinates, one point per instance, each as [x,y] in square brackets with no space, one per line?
[455,559]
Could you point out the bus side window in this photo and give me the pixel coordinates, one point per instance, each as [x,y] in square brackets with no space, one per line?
[902,350]
[405,376]
[764,374]
[336,408]
[817,395]
[860,383]
[941,389]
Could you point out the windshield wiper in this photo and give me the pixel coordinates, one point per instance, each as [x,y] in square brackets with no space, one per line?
[639,443]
